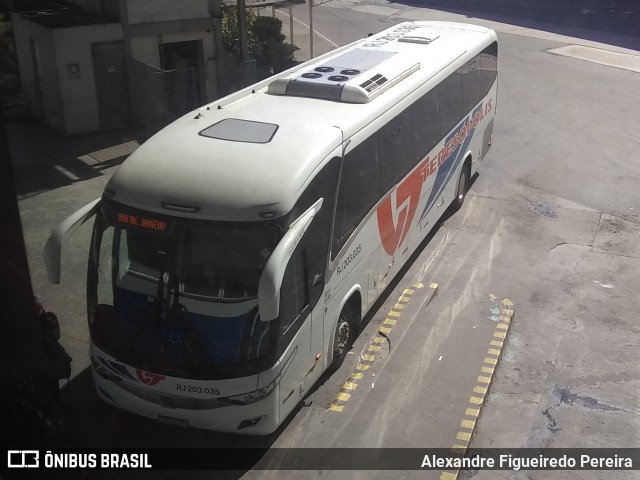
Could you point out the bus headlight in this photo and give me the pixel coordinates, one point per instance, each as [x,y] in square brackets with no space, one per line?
[103,371]
[252,397]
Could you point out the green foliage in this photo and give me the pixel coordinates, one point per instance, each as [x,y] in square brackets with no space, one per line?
[272,54]
[231,31]
[267,28]
[265,41]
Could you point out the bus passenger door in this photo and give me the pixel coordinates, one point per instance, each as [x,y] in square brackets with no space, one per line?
[301,311]
[294,336]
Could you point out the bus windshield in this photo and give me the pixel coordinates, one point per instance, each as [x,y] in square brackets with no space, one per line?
[178,296]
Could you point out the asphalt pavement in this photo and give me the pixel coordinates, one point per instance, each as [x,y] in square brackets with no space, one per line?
[614,16]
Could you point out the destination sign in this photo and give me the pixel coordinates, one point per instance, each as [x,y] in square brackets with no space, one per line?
[142,222]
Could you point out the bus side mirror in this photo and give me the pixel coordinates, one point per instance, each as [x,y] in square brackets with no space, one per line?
[271,278]
[53,248]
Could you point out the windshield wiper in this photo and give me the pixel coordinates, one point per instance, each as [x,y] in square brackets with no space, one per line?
[156,314]
[180,315]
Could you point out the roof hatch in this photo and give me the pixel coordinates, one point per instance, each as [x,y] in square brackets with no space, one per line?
[239,130]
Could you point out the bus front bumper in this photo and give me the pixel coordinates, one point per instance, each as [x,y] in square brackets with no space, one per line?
[259,418]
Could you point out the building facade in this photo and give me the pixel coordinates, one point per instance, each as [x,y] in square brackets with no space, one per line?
[106,64]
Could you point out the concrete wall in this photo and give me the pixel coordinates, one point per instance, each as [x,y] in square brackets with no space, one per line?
[78,90]
[149,11]
[147,50]
[69,101]
[48,106]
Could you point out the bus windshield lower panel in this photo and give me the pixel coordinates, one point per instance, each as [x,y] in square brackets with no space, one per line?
[179,297]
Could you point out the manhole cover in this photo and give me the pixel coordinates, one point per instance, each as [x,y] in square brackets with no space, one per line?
[544,210]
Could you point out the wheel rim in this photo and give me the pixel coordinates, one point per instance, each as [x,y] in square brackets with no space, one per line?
[341,338]
[462,185]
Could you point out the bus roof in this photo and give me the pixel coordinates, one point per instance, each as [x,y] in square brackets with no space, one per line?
[253,152]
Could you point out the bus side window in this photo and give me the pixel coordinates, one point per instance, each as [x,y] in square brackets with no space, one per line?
[426,123]
[294,296]
[471,94]
[360,189]
[450,102]
[316,239]
[479,73]
[396,149]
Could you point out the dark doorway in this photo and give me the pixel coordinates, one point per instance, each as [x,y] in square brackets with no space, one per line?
[184,76]
[111,84]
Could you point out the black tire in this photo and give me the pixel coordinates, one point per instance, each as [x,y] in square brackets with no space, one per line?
[462,188]
[343,338]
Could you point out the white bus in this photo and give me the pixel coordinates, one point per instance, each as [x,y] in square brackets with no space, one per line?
[236,251]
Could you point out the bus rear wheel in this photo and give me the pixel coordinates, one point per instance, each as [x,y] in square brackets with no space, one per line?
[343,338]
[462,188]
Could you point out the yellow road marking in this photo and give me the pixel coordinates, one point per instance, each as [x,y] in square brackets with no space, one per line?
[480,391]
[470,424]
[375,345]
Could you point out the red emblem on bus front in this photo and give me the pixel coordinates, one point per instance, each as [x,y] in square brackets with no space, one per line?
[148,378]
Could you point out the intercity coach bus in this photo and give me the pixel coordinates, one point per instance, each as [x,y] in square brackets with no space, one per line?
[235,252]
